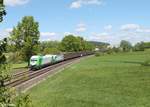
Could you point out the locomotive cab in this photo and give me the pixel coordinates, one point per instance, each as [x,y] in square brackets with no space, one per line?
[34,62]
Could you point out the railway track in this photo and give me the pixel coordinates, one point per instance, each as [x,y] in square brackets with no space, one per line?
[21,73]
[22,77]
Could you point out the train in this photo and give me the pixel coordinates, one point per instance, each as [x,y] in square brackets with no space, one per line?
[39,61]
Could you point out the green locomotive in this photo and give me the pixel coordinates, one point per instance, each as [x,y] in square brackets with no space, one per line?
[37,62]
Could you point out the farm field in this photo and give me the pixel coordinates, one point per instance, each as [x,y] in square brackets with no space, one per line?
[116,80]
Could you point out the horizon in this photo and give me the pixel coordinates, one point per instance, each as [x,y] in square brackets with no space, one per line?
[95,20]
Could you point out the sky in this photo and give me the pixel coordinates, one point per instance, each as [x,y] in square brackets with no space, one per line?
[96,20]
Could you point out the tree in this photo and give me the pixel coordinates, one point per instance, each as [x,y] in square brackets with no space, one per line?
[25,37]
[146,45]
[5,94]
[82,43]
[49,47]
[2,58]
[2,10]
[2,49]
[125,46]
[29,48]
[139,46]
[115,49]
[89,46]
[70,43]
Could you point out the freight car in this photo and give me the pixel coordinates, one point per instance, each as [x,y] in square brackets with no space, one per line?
[37,62]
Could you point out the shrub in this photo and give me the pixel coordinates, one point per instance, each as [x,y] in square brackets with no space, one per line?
[109,51]
[116,50]
[15,57]
[24,101]
[97,54]
[146,63]
[50,51]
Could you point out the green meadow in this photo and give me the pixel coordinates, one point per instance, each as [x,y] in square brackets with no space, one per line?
[117,80]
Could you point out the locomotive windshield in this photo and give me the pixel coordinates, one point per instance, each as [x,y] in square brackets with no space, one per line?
[33,60]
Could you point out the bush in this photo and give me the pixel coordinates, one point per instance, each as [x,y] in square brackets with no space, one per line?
[24,101]
[97,54]
[139,47]
[15,57]
[50,51]
[116,50]
[126,46]
[146,63]
[109,51]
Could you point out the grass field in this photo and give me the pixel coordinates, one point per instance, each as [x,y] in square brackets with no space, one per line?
[19,66]
[107,81]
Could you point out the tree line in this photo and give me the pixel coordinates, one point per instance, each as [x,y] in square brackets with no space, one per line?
[24,42]
[126,46]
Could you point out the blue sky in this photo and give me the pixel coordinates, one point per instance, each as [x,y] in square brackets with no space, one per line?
[99,20]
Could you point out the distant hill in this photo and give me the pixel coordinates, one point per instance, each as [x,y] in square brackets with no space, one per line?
[99,43]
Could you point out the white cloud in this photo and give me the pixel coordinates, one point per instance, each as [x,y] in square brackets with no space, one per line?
[143,30]
[131,32]
[103,37]
[135,27]
[80,3]
[129,27]
[48,33]
[68,33]
[50,36]
[15,2]
[81,27]
[76,4]
[132,37]
[5,33]
[8,30]
[71,33]
[108,28]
